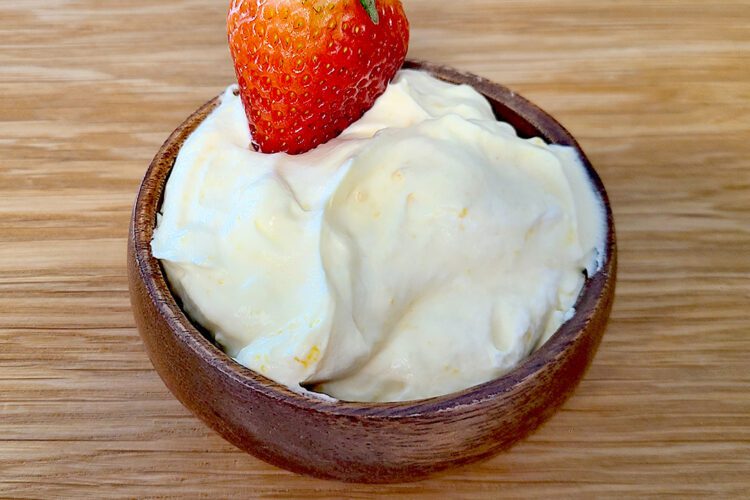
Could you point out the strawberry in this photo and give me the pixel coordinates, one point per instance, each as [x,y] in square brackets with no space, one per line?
[307,69]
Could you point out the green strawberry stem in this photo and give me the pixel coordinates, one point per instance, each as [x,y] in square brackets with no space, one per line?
[372,10]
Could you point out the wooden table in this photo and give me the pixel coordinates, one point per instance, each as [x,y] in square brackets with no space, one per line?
[656,91]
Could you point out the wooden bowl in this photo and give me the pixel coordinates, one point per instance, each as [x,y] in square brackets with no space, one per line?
[362,442]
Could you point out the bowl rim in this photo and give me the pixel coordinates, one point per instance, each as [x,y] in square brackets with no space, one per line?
[148,203]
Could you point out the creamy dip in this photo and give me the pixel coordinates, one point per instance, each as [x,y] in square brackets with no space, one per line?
[426,249]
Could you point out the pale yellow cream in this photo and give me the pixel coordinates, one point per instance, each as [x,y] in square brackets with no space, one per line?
[425,250]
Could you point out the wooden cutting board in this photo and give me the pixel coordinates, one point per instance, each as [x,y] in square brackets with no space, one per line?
[658,94]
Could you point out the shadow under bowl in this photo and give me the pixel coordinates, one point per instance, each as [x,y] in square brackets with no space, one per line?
[363,442]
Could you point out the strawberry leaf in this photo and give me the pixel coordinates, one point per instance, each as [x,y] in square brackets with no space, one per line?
[372,10]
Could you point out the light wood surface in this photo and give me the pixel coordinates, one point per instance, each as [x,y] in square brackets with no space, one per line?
[658,94]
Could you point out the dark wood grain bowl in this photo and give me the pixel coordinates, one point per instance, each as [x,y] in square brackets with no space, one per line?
[362,442]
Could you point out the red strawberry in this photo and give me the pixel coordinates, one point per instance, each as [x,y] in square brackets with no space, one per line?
[307,69]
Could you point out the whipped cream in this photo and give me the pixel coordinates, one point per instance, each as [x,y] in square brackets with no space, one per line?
[425,250]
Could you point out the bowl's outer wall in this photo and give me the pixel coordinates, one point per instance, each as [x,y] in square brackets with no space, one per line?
[360,442]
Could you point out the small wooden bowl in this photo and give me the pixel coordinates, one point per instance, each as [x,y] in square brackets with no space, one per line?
[361,442]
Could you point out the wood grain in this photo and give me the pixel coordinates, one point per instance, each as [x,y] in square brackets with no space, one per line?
[657,93]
